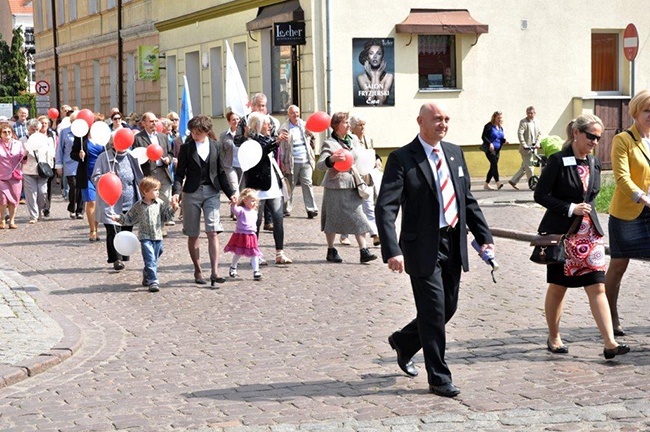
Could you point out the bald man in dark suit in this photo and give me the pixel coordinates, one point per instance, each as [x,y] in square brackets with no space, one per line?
[432,247]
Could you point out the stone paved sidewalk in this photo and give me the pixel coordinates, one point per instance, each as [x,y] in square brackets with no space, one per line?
[306,348]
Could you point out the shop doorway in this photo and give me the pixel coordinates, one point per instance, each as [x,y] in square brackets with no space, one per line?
[616,118]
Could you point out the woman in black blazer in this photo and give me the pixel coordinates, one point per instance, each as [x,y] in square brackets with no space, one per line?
[266,177]
[200,176]
[567,188]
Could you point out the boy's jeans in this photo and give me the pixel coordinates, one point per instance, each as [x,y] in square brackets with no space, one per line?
[151,251]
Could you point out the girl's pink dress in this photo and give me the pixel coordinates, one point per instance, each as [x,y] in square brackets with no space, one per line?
[243,241]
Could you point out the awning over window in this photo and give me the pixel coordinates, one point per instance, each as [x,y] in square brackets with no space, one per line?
[281,12]
[440,21]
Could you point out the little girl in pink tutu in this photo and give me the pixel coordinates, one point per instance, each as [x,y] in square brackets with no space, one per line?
[243,241]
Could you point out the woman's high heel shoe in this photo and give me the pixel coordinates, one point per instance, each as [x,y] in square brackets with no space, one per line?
[216,280]
[198,279]
[619,350]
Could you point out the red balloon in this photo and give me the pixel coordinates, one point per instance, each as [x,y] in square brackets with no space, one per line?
[123,139]
[109,188]
[154,152]
[159,126]
[318,121]
[87,116]
[53,113]
[346,164]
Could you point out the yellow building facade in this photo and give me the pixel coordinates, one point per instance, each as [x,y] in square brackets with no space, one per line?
[505,55]
[87,50]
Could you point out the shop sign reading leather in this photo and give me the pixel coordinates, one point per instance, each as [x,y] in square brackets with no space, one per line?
[289,33]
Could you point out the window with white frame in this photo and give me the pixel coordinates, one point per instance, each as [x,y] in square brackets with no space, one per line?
[60,12]
[112,84]
[54,89]
[73,10]
[437,62]
[172,83]
[97,96]
[239,53]
[216,79]
[38,15]
[130,82]
[193,73]
[77,85]
[64,83]
[92,7]
[48,14]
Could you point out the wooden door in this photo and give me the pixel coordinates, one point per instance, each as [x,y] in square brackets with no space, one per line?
[615,117]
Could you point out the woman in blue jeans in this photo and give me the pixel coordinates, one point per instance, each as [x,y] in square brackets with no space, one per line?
[266,177]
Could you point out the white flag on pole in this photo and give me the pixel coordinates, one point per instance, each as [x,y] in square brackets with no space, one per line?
[186,110]
[236,95]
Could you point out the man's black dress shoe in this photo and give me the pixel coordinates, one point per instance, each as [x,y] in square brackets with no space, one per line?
[556,350]
[619,332]
[619,350]
[446,390]
[406,365]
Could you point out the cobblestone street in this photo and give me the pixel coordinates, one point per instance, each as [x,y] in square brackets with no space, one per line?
[304,349]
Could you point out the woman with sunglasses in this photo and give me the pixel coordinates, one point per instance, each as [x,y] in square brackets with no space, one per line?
[567,189]
[493,139]
[629,211]
[116,122]
[12,153]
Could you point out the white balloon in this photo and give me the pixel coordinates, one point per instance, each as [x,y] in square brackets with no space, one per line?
[100,133]
[365,160]
[65,123]
[140,153]
[36,141]
[250,154]
[126,243]
[79,128]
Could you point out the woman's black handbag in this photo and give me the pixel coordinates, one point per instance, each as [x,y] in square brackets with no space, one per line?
[44,169]
[548,249]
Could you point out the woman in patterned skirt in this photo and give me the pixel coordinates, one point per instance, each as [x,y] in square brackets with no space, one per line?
[567,188]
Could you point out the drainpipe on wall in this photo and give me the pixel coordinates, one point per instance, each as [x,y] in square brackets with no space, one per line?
[329,56]
[55,43]
[120,55]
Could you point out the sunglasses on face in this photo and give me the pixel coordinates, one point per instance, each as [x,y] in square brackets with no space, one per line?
[117,118]
[591,137]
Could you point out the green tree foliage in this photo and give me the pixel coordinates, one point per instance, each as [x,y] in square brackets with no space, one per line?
[13,74]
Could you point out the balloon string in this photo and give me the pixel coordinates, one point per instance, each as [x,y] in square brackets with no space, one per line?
[118,227]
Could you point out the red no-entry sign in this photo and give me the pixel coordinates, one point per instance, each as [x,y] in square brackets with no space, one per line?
[42,87]
[630,42]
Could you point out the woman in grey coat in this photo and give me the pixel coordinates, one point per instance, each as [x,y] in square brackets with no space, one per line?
[342,210]
[127,168]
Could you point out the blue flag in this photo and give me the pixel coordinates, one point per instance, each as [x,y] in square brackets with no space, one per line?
[186,110]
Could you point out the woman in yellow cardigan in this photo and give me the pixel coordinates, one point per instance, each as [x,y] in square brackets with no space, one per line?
[629,222]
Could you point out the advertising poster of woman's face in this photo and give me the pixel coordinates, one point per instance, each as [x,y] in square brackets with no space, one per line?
[373,69]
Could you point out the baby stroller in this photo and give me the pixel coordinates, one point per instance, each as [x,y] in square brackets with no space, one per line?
[535,162]
[550,144]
